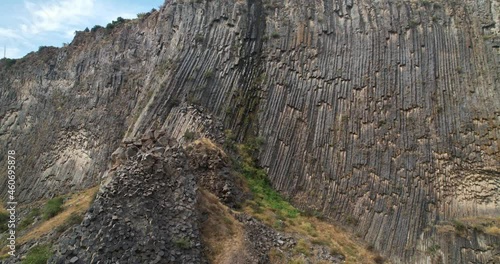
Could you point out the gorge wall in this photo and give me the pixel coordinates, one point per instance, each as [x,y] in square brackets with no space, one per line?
[382,115]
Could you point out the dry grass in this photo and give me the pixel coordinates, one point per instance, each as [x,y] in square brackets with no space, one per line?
[78,203]
[341,241]
[484,224]
[272,209]
[317,232]
[276,256]
[492,230]
[206,146]
[222,234]
[207,143]
[2,208]
[488,225]
[445,228]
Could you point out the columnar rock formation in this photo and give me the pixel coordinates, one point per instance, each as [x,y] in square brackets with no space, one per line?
[380,114]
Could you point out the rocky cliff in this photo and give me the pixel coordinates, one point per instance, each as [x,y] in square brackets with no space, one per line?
[382,115]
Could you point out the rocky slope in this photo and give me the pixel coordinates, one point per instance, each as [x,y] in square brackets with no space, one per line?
[382,115]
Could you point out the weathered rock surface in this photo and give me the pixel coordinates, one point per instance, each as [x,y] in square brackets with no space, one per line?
[145,214]
[146,210]
[380,114]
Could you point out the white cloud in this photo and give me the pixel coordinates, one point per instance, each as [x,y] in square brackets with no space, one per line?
[56,15]
[53,22]
[8,33]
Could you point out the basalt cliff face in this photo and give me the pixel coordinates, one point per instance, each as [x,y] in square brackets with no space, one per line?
[382,115]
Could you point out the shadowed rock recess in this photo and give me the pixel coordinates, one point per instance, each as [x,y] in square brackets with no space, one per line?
[382,115]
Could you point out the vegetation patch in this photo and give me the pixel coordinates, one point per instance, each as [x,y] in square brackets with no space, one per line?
[52,208]
[378,259]
[351,220]
[460,227]
[182,243]
[199,38]
[321,242]
[208,74]
[77,203]
[492,230]
[189,135]
[276,256]
[432,250]
[8,62]
[303,248]
[4,218]
[481,224]
[74,219]
[115,23]
[95,28]
[39,254]
[486,225]
[30,218]
[221,233]
[264,195]
[298,260]
[275,211]
[74,208]
[144,15]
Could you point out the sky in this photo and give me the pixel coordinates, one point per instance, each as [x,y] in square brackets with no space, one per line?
[25,25]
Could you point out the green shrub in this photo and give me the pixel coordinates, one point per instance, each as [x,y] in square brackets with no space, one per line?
[143,15]
[379,259]
[189,135]
[230,141]
[73,219]
[115,23]
[52,208]
[321,242]
[39,254]
[95,28]
[41,48]
[279,225]
[302,248]
[297,260]
[309,213]
[413,23]
[334,251]
[199,38]
[30,218]
[4,218]
[182,243]
[258,181]
[209,74]
[351,220]
[432,250]
[310,229]
[120,20]
[459,226]
[426,3]
[9,62]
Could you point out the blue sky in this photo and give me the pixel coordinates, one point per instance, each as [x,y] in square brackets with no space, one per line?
[29,24]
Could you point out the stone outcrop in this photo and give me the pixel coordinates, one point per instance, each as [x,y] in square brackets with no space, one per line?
[147,208]
[383,115]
